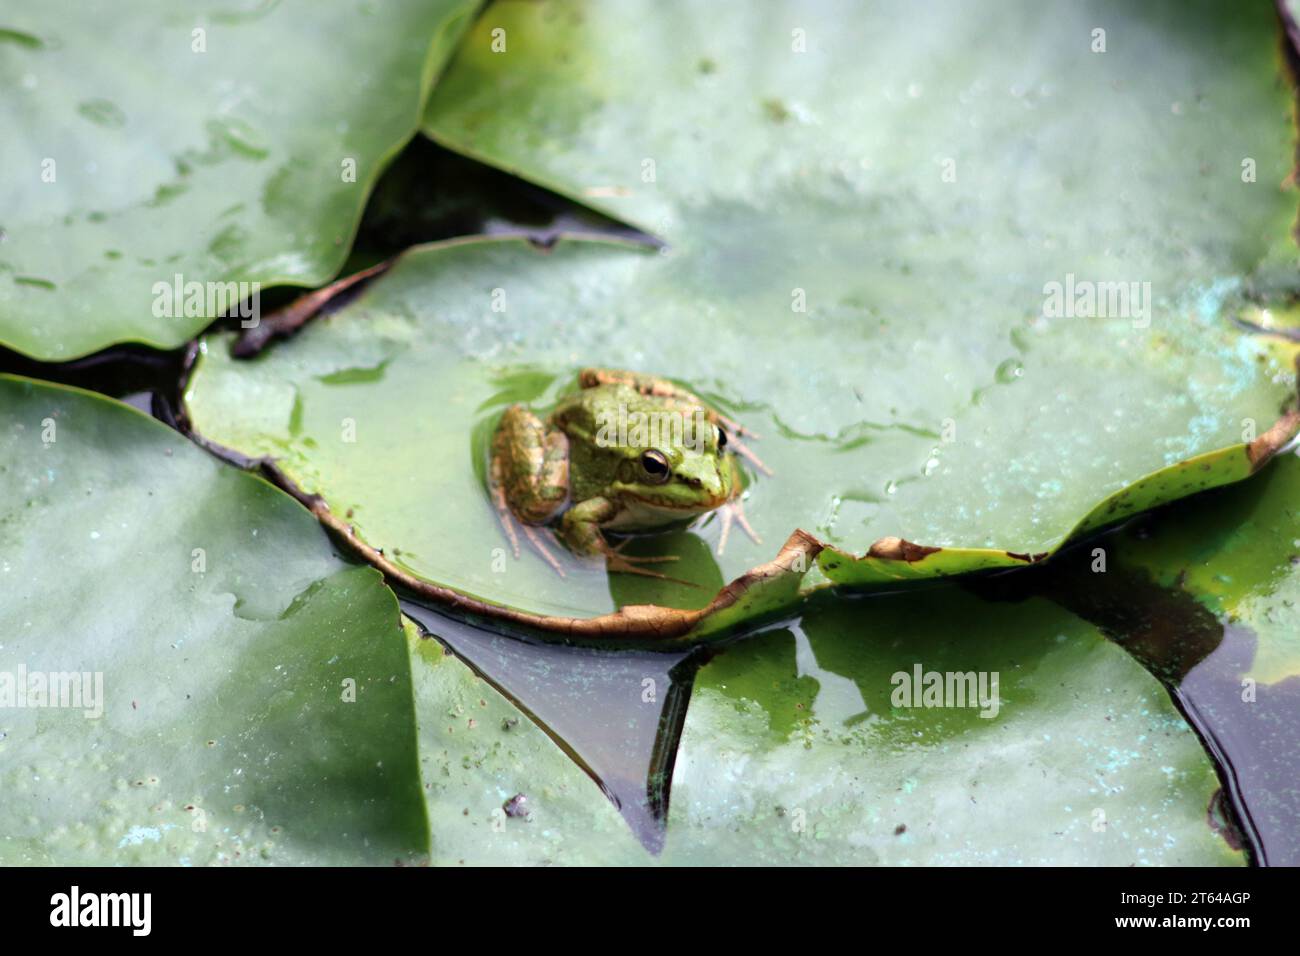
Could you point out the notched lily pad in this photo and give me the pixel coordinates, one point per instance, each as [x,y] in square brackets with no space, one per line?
[378,414]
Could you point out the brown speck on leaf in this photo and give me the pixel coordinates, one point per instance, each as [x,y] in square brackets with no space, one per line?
[776,111]
[1027,558]
[900,829]
[516,806]
[900,549]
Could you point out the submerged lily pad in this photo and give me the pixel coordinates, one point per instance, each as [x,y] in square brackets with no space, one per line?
[1237,552]
[214,640]
[797,749]
[225,142]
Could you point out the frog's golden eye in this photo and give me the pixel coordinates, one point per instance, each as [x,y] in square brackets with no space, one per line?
[655,466]
[722,439]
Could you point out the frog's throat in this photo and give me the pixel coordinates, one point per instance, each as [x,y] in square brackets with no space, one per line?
[638,513]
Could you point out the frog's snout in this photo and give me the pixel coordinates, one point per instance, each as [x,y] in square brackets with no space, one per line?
[710,485]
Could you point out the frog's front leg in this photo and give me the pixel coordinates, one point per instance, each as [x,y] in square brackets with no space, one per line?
[580,530]
[528,476]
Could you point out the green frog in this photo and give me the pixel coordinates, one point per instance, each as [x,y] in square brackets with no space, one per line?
[626,452]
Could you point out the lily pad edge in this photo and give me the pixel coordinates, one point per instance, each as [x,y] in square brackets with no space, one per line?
[769,590]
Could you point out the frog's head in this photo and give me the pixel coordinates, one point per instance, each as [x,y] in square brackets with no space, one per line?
[679,475]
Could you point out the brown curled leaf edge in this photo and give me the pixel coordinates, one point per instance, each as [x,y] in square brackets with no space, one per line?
[773,589]
[778,587]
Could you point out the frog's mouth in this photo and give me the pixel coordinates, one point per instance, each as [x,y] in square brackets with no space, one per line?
[649,512]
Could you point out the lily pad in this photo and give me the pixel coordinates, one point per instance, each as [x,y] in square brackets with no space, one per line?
[1239,553]
[227,142]
[797,751]
[213,640]
[382,408]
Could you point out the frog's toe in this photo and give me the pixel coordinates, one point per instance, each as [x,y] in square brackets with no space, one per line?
[535,539]
[616,563]
[734,511]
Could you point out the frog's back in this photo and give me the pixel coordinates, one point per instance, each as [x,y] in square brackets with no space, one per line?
[584,412]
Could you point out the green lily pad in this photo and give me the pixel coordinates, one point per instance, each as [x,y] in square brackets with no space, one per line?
[228,142]
[215,638]
[796,750]
[228,639]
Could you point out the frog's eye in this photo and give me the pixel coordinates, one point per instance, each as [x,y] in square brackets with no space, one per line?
[722,439]
[655,465]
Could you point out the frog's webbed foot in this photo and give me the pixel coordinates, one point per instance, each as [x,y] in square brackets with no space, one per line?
[619,563]
[734,511]
[535,538]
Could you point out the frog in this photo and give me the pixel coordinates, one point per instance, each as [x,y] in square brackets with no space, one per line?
[623,453]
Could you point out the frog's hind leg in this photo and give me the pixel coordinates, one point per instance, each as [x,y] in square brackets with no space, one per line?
[499,503]
[528,477]
[535,539]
